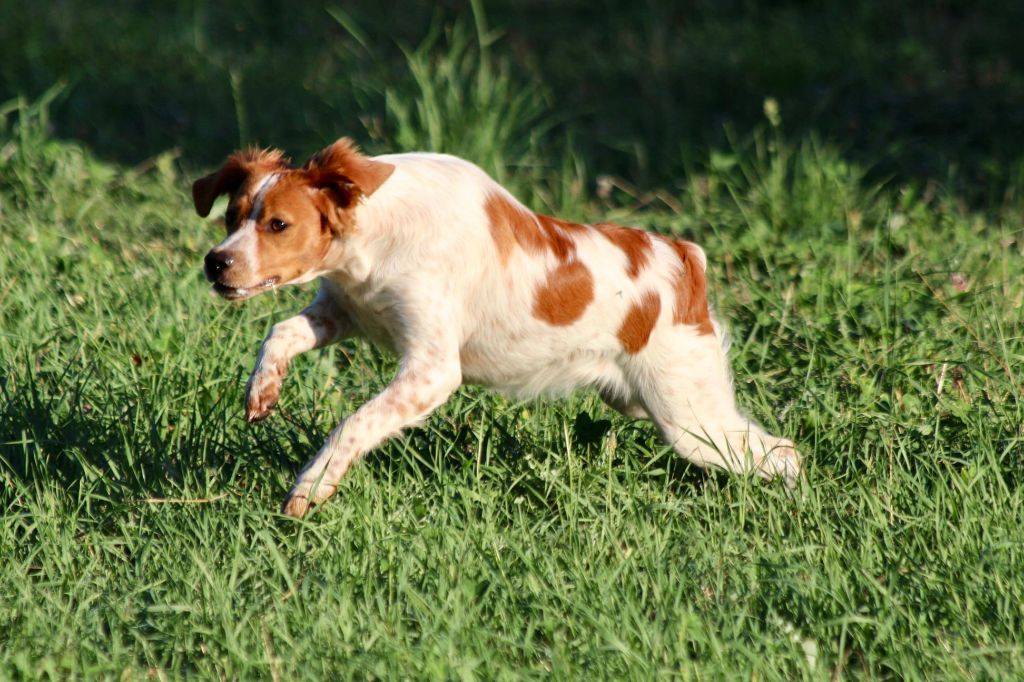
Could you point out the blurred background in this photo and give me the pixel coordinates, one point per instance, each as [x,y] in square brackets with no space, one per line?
[924,91]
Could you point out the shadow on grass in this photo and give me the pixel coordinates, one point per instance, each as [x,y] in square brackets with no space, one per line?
[75,431]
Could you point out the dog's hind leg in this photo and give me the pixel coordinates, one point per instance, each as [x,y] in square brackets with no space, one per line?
[682,379]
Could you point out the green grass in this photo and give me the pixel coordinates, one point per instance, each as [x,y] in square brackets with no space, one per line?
[878,325]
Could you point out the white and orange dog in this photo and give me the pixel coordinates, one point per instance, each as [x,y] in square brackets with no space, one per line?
[427,256]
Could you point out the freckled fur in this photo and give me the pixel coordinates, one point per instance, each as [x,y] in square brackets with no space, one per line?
[428,257]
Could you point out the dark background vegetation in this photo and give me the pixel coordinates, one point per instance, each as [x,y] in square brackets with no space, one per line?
[922,91]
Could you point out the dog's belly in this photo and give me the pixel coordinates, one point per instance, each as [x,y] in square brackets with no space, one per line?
[511,350]
[536,370]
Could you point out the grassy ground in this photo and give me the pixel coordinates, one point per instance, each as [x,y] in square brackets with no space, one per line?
[878,325]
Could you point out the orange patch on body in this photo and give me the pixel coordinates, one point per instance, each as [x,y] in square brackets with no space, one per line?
[639,323]
[512,225]
[564,295]
[691,305]
[569,288]
[636,244]
[558,235]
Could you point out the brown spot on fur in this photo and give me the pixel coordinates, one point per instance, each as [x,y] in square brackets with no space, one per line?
[636,244]
[559,236]
[512,225]
[566,293]
[691,288]
[639,322]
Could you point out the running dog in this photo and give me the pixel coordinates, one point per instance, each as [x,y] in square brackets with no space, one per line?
[428,257]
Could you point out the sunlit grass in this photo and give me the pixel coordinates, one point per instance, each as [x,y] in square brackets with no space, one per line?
[877,326]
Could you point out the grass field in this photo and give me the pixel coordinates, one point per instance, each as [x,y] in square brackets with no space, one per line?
[876,323]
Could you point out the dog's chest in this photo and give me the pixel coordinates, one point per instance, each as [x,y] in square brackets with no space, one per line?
[376,313]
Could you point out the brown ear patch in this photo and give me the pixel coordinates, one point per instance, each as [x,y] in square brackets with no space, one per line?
[636,244]
[236,170]
[639,322]
[342,162]
[564,295]
[691,306]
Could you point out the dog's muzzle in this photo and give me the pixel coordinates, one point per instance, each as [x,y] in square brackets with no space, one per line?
[215,264]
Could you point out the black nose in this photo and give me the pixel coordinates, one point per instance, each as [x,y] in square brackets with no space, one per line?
[216,263]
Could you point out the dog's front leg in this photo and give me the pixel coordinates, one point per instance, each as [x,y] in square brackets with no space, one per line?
[320,324]
[425,381]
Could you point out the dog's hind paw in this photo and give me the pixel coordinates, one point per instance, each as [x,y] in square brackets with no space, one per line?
[783,461]
[295,506]
[302,498]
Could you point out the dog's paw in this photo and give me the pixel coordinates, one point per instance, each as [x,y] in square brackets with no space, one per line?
[295,506]
[303,498]
[261,395]
[783,461]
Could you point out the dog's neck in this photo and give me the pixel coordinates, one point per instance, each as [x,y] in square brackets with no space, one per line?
[351,259]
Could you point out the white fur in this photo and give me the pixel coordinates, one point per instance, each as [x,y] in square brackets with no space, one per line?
[421,276]
[242,242]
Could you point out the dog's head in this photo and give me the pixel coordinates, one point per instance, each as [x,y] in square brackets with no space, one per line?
[282,220]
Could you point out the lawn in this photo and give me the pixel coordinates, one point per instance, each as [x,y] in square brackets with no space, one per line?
[875,320]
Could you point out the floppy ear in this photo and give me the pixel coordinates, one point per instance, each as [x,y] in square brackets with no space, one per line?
[206,190]
[231,175]
[344,167]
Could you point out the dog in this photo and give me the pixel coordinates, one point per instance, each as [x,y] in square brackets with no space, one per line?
[429,258]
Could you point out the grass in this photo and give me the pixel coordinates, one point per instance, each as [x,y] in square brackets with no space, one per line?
[878,325]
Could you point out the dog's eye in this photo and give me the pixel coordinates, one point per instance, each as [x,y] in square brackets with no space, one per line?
[230,217]
[276,225]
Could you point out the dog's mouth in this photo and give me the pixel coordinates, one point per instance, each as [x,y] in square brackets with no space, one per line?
[242,293]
